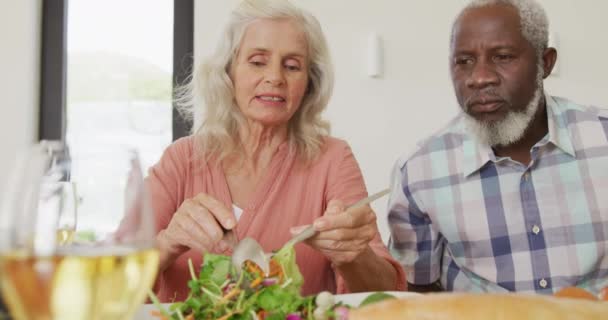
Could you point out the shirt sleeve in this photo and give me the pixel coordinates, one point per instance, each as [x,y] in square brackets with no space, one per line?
[347,184]
[165,182]
[414,242]
[165,185]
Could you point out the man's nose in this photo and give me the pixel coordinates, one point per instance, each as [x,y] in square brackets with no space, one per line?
[483,74]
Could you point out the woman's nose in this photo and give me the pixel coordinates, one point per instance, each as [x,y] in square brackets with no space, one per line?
[274,75]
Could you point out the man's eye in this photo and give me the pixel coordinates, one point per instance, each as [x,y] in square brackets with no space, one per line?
[463,61]
[503,57]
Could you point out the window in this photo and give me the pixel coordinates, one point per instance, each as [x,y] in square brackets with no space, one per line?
[107,77]
[119,69]
[54,54]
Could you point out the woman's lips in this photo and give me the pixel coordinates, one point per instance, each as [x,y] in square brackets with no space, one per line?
[271,101]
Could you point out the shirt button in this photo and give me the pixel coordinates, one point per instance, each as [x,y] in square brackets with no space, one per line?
[535,229]
[543,283]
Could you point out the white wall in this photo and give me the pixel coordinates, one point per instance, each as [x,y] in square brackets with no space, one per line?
[385,117]
[19,78]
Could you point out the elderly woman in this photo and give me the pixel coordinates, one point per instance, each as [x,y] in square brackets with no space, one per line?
[262,164]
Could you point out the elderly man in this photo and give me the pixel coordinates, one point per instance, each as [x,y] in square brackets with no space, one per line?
[512,195]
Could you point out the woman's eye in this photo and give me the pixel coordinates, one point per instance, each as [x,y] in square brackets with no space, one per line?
[291,67]
[256,63]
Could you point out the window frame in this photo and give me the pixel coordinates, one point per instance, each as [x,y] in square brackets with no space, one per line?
[53,66]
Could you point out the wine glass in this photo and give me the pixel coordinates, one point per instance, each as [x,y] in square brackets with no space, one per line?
[68,211]
[105,265]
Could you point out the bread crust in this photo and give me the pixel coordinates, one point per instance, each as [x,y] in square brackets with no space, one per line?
[457,306]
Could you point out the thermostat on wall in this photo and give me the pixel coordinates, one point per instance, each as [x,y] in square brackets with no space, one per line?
[374,56]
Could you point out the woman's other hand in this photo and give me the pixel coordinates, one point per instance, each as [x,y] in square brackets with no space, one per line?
[343,235]
[198,224]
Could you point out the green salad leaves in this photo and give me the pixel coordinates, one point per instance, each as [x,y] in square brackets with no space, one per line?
[220,291]
[376,297]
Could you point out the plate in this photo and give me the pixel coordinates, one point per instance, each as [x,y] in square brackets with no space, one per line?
[353,299]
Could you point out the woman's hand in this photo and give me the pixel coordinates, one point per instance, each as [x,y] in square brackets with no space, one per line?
[197,225]
[343,235]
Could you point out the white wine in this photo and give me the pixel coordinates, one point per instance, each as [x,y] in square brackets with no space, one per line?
[79,283]
[65,236]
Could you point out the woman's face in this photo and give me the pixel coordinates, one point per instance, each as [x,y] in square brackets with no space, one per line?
[270,72]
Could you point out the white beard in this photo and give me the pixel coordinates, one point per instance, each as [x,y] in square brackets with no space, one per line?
[513,127]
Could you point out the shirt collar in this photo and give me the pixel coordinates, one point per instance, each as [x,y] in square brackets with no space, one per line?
[559,133]
[476,155]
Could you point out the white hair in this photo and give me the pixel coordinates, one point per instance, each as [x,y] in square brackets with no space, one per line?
[533,20]
[209,93]
[513,127]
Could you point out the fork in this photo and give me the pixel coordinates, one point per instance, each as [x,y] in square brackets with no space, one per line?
[249,249]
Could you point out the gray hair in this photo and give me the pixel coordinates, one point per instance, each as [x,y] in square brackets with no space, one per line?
[210,91]
[533,20]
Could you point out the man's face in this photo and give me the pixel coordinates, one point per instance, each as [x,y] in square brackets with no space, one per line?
[494,69]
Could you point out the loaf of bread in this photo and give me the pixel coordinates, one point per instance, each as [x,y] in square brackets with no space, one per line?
[457,306]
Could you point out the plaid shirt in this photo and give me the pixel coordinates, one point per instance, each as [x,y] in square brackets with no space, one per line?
[479,223]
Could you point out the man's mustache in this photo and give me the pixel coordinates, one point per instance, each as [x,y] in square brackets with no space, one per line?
[483,97]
